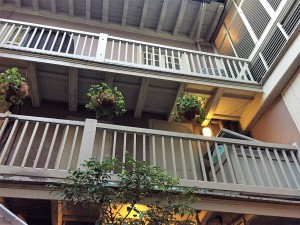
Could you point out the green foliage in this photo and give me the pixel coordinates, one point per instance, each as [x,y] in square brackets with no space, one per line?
[11,87]
[189,107]
[138,183]
[105,101]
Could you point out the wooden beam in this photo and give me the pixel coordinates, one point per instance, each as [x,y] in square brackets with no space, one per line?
[196,21]
[142,97]
[214,24]
[144,14]
[88,9]
[125,12]
[162,16]
[73,88]
[71,7]
[18,3]
[212,105]
[34,90]
[105,9]
[199,28]
[53,6]
[109,79]
[35,5]
[180,17]
[56,213]
[204,216]
[180,92]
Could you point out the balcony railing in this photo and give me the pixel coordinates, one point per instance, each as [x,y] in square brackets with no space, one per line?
[103,48]
[46,148]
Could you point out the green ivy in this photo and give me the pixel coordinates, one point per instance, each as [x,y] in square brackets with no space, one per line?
[101,94]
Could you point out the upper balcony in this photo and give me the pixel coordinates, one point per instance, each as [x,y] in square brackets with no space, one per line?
[39,43]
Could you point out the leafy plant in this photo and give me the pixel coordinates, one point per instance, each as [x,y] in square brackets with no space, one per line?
[136,183]
[13,87]
[189,107]
[105,101]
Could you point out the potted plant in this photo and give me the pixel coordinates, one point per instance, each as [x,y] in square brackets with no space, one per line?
[13,89]
[189,108]
[105,101]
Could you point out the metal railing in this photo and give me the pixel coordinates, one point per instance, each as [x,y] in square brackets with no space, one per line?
[119,51]
[42,147]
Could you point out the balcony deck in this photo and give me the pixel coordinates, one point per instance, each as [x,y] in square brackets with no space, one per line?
[43,148]
[128,55]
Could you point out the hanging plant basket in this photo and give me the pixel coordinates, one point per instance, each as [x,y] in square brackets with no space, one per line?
[105,101]
[189,108]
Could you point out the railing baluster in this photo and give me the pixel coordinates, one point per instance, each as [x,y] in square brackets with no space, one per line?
[159,58]
[112,49]
[192,160]
[126,51]
[282,169]
[51,146]
[146,55]
[229,163]
[153,56]
[239,165]
[256,166]
[3,29]
[7,36]
[212,167]
[30,144]
[41,146]
[173,157]
[62,42]
[132,54]
[124,148]
[3,127]
[140,55]
[242,75]
[61,148]
[198,63]
[236,70]
[164,152]
[16,35]
[295,161]
[47,39]
[144,147]
[84,44]
[220,163]
[265,166]
[54,41]
[173,60]
[183,159]
[153,150]
[114,145]
[19,143]
[273,168]
[224,68]
[217,65]
[247,165]
[39,40]
[179,60]
[119,51]
[230,68]
[91,47]
[134,146]
[205,65]
[193,63]
[211,66]
[167,59]
[201,161]
[73,147]
[103,145]
[291,169]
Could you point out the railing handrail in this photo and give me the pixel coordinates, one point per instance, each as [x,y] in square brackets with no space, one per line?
[125,39]
[43,119]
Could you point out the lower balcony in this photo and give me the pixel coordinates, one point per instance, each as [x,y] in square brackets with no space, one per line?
[36,148]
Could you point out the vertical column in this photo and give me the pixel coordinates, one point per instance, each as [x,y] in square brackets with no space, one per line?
[101,49]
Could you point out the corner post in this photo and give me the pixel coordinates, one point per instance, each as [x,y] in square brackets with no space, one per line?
[87,143]
[101,49]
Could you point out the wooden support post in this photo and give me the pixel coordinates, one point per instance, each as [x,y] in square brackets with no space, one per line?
[34,91]
[142,98]
[101,47]
[56,213]
[73,83]
[179,94]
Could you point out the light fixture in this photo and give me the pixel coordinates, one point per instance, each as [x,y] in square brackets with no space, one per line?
[206,131]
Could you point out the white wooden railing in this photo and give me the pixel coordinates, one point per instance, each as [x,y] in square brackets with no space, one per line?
[47,148]
[103,48]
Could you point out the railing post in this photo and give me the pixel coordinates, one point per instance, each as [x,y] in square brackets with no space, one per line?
[101,49]
[87,143]
[298,152]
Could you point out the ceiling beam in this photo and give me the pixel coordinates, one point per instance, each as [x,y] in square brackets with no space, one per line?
[196,21]
[1,2]
[34,89]
[212,105]
[180,92]
[142,97]
[88,9]
[180,16]
[214,24]
[162,16]
[109,79]
[105,9]
[73,88]
[71,8]
[204,216]
[18,3]
[53,6]
[35,5]
[125,11]
[144,14]
[56,213]
[201,20]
